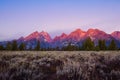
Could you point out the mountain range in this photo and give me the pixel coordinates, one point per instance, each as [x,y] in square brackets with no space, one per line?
[77,37]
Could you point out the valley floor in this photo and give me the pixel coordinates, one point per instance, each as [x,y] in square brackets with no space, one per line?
[59,65]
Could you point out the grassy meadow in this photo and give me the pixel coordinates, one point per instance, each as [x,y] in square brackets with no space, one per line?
[59,65]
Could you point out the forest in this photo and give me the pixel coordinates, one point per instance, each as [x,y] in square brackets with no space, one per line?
[87,45]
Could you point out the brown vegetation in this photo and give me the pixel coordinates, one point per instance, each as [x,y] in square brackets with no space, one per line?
[60,65]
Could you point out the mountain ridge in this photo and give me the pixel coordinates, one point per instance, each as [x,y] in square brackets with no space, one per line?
[77,31]
[76,37]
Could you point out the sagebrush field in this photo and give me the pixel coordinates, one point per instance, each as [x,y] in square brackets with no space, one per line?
[59,65]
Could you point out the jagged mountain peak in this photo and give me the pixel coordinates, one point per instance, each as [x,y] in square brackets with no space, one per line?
[116,32]
[116,35]
[75,37]
[78,31]
[96,34]
[94,30]
[43,32]
[63,35]
[32,36]
[41,36]
[35,33]
[21,38]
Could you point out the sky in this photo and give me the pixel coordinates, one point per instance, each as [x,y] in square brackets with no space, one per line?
[22,17]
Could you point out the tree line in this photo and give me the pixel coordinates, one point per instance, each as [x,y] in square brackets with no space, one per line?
[88,45]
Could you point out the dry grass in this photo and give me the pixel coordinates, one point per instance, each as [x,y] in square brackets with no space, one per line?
[59,65]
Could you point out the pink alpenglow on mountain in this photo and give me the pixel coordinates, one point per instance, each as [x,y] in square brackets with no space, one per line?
[116,35]
[77,35]
[96,34]
[32,36]
[60,38]
[39,36]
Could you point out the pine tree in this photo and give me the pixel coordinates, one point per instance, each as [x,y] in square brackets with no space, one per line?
[57,48]
[37,48]
[63,48]
[79,48]
[30,48]
[112,45]
[102,44]
[88,44]
[9,46]
[22,46]
[14,45]
[97,48]
[70,47]
[1,47]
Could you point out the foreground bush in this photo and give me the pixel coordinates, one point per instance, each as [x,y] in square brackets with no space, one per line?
[59,65]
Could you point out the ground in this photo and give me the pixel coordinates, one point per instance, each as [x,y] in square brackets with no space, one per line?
[59,65]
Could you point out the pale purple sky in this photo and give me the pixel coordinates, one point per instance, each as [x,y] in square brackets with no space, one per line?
[22,17]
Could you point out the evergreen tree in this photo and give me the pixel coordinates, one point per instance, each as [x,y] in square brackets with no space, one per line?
[37,48]
[1,47]
[14,45]
[48,49]
[57,48]
[80,48]
[88,44]
[104,47]
[63,48]
[102,44]
[97,48]
[9,46]
[22,46]
[70,47]
[112,45]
